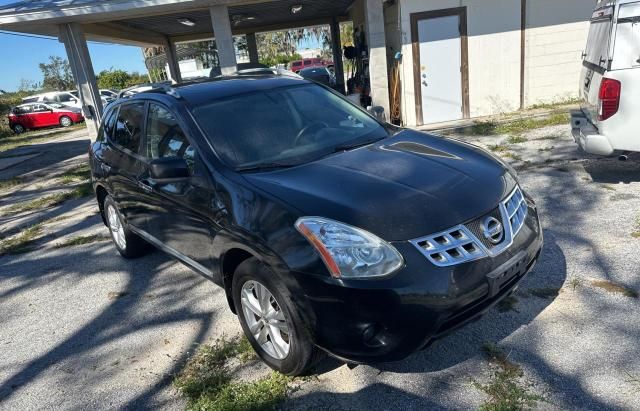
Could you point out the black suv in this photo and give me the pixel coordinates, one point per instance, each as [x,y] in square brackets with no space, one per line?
[327,229]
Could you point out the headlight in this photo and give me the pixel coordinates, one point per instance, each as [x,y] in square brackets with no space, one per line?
[349,252]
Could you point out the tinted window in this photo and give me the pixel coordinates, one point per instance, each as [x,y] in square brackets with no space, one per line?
[30,99]
[52,98]
[306,62]
[165,137]
[22,110]
[289,125]
[65,97]
[128,128]
[40,108]
[108,124]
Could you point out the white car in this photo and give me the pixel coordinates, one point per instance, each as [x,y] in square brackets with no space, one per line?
[68,98]
[610,82]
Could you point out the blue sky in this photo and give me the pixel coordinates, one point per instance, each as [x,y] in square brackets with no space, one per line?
[21,56]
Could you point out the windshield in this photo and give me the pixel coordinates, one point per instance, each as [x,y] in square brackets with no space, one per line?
[284,126]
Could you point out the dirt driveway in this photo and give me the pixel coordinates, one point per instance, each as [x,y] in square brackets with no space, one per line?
[82,328]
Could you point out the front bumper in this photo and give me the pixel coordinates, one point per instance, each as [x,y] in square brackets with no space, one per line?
[388,319]
[587,135]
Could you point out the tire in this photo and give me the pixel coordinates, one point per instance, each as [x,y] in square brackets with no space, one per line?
[66,121]
[128,244]
[18,128]
[302,353]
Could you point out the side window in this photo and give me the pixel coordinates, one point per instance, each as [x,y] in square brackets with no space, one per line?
[40,108]
[165,138]
[128,129]
[50,99]
[65,98]
[108,124]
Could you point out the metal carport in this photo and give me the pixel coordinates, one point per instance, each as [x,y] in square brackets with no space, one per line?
[157,23]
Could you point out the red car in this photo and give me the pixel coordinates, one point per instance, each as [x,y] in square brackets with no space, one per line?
[298,65]
[39,115]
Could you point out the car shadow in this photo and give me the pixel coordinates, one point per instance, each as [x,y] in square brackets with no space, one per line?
[613,171]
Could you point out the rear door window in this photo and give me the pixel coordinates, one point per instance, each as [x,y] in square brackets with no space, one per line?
[626,52]
[128,128]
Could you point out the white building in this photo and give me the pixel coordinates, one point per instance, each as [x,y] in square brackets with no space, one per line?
[483,57]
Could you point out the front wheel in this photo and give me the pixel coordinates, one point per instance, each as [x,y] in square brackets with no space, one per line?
[129,245]
[271,323]
[18,129]
[66,121]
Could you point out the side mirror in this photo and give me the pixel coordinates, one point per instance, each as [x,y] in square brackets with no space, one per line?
[168,167]
[377,112]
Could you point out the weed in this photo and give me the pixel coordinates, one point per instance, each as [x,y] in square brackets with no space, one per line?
[575,282]
[607,187]
[565,102]
[114,295]
[512,156]
[545,292]
[615,288]
[505,389]
[519,126]
[484,128]
[82,239]
[499,148]
[76,174]
[636,233]
[22,242]
[49,201]
[517,139]
[545,149]
[10,183]
[508,304]
[245,350]
[207,383]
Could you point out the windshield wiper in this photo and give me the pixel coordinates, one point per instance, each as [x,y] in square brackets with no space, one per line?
[351,146]
[264,166]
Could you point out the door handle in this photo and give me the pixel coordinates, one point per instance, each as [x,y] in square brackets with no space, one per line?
[145,186]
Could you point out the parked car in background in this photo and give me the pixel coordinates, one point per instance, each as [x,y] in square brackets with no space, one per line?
[610,81]
[67,98]
[320,75]
[327,229]
[298,65]
[38,115]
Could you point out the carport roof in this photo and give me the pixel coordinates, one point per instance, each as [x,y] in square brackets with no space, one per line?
[147,22]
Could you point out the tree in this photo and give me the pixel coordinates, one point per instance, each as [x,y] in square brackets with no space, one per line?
[57,74]
[27,85]
[119,79]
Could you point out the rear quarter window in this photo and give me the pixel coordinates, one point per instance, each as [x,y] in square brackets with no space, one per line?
[597,50]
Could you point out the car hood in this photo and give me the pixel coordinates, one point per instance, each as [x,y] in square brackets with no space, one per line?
[403,187]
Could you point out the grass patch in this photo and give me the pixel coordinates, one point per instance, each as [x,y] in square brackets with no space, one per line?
[508,304]
[544,292]
[517,139]
[555,104]
[207,384]
[545,149]
[505,390]
[21,243]
[636,232]
[499,148]
[10,183]
[608,187]
[76,174]
[26,139]
[512,156]
[82,239]
[615,288]
[83,190]
[518,126]
[575,282]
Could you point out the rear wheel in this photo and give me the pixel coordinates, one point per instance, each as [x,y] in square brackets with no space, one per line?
[271,323]
[129,245]
[66,121]
[18,129]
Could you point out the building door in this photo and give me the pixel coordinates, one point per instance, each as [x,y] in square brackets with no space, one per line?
[440,65]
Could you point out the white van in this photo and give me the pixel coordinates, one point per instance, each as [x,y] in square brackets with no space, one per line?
[609,118]
[68,98]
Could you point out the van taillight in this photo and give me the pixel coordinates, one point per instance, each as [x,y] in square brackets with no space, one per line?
[609,98]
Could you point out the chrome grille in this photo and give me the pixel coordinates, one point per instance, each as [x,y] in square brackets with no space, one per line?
[467,242]
[450,247]
[516,208]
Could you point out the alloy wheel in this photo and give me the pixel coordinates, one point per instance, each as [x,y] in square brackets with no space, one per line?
[265,319]
[115,225]
[65,121]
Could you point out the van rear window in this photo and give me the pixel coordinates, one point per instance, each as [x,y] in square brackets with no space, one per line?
[597,51]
